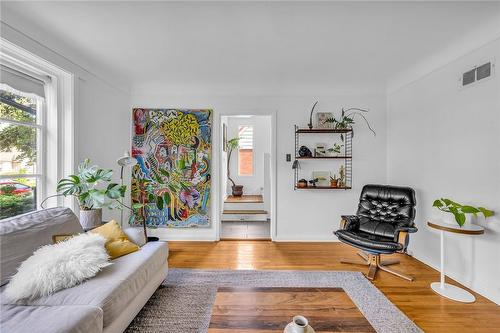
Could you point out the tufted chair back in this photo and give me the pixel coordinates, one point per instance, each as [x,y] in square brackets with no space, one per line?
[382,209]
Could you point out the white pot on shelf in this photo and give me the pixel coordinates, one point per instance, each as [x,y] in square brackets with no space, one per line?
[90,218]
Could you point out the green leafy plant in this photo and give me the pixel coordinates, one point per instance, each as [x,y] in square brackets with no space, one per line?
[347,119]
[459,211]
[232,144]
[335,149]
[90,189]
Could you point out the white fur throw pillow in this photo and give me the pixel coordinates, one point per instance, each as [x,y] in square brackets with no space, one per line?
[58,266]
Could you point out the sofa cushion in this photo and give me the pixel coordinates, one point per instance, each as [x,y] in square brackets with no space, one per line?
[117,242]
[51,319]
[21,235]
[115,286]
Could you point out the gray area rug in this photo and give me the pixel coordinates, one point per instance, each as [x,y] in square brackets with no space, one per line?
[184,303]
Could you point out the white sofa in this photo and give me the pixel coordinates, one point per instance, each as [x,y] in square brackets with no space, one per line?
[106,303]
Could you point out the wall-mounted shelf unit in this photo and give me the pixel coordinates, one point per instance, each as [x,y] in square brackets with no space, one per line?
[345,158]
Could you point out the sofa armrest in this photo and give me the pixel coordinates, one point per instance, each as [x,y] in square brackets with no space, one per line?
[349,222]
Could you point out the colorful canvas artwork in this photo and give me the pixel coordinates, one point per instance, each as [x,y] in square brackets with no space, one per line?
[171,180]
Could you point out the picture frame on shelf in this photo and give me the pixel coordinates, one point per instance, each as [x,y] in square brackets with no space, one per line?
[323,178]
[320,150]
[321,120]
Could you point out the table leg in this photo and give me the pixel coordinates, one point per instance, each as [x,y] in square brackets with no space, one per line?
[448,290]
[442,258]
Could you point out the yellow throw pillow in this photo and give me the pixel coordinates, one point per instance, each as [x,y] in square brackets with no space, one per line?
[117,242]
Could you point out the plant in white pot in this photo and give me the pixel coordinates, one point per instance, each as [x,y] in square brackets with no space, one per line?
[460,211]
[93,189]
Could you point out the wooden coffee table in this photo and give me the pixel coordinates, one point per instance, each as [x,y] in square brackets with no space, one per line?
[271,309]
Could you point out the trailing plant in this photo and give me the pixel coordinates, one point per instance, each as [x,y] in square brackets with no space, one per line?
[347,119]
[232,144]
[335,149]
[92,187]
[459,211]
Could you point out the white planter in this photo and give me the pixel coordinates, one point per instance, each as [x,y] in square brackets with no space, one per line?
[90,218]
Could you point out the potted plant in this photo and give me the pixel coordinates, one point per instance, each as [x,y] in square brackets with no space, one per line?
[333,181]
[233,144]
[93,189]
[460,211]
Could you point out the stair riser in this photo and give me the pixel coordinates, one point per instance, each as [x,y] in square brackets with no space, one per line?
[243,206]
[244,217]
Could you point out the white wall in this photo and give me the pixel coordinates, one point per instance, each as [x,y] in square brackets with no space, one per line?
[445,142]
[102,110]
[301,215]
[253,184]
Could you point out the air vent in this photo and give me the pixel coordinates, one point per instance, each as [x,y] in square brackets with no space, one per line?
[469,77]
[483,71]
[477,74]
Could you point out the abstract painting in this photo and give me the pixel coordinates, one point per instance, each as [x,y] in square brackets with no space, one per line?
[171,180]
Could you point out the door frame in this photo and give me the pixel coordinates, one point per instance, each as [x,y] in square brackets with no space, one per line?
[273,177]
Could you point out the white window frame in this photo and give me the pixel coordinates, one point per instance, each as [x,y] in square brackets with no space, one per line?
[58,139]
[253,152]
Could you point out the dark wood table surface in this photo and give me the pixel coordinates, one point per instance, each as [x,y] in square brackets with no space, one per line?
[251,310]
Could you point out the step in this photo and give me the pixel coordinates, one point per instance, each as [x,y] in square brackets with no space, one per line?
[244,206]
[245,211]
[244,199]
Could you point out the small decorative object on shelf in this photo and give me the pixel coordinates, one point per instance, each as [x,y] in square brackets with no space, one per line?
[335,150]
[333,181]
[320,150]
[313,182]
[310,125]
[302,183]
[339,153]
[304,152]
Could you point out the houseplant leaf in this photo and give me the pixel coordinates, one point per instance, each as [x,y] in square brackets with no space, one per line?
[486,212]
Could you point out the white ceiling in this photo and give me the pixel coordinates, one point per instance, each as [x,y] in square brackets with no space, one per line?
[190,45]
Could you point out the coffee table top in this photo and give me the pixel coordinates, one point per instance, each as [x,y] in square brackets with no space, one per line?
[250,310]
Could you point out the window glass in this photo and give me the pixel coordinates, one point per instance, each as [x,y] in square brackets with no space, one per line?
[17,196]
[17,108]
[20,140]
[245,153]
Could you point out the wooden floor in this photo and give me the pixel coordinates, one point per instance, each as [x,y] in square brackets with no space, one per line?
[429,311]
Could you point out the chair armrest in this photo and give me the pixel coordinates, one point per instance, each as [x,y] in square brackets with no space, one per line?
[401,235]
[349,222]
[409,230]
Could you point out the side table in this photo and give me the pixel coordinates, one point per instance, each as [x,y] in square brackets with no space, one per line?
[445,289]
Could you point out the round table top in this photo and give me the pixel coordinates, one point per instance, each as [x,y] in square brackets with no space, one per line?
[466,229]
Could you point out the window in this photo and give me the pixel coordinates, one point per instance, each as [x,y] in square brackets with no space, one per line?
[21,133]
[245,152]
[37,101]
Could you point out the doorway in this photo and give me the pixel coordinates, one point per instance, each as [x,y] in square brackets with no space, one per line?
[247,181]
